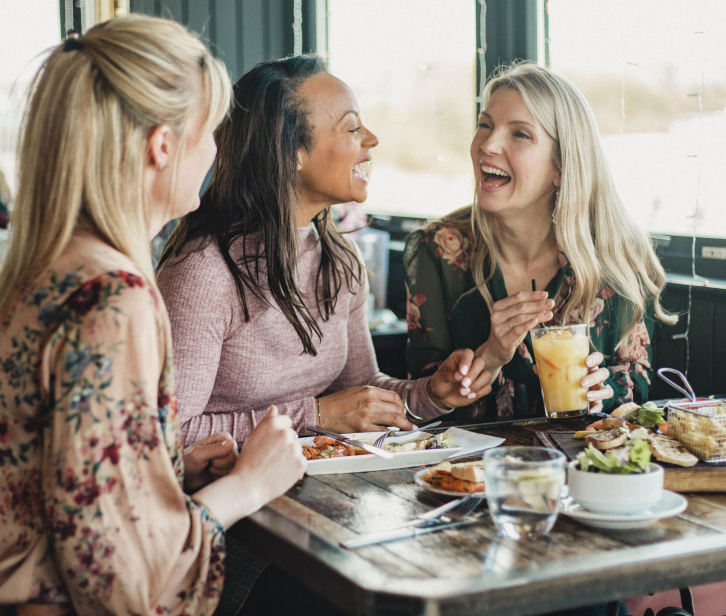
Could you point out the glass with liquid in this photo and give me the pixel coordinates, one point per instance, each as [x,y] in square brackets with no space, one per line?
[523,489]
[560,353]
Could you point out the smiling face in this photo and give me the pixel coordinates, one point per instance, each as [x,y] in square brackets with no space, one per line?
[512,156]
[336,170]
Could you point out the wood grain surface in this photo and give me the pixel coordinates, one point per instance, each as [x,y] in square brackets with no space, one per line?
[471,570]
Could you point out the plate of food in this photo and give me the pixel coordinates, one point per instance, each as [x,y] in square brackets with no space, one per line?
[327,456]
[450,479]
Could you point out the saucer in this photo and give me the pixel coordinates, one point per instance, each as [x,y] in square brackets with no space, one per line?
[671,504]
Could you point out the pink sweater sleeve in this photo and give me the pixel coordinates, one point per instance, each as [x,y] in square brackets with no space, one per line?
[361,367]
[202,302]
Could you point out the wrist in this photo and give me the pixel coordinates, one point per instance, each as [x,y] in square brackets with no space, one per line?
[439,402]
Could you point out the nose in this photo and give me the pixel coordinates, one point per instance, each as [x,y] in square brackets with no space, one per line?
[369,139]
[491,143]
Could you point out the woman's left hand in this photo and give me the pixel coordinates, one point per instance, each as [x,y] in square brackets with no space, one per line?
[208,459]
[594,382]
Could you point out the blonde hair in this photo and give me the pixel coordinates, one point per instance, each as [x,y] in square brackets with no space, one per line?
[84,138]
[601,241]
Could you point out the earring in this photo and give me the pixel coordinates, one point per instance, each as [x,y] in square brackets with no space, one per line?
[299,166]
[557,203]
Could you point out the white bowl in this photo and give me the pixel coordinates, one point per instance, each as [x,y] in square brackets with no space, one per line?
[615,494]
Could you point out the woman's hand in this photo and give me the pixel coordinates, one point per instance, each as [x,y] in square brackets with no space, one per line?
[208,459]
[363,409]
[594,382]
[511,319]
[459,381]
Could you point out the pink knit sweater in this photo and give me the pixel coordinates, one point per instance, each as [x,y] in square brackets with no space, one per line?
[229,370]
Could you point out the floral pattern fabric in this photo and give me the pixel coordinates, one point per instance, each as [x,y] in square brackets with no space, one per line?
[445,311]
[92,508]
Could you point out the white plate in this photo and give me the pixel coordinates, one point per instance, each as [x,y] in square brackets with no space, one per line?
[371,462]
[671,504]
[418,477]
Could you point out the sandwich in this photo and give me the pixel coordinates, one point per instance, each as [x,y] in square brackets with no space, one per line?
[669,449]
[609,439]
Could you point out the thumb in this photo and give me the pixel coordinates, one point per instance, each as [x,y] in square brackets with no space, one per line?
[272,412]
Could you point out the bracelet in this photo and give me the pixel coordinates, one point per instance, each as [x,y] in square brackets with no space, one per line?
[406,408]
[317,410]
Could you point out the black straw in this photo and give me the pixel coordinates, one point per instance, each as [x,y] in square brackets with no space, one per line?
[534,290]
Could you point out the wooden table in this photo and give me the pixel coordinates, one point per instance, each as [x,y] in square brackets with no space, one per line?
[471,570]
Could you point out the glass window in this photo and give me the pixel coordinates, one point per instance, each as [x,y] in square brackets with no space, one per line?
[412,68]
[641,65]
[27,28]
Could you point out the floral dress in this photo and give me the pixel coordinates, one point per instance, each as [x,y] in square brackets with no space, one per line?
[92,508]
[446,311]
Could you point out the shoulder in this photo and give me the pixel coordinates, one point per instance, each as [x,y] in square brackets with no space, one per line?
[199,266]
[450,240]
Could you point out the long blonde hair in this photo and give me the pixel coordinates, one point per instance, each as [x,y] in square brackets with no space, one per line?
[84,138]
[601,241]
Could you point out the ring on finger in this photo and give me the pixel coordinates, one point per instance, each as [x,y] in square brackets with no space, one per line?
[510,323]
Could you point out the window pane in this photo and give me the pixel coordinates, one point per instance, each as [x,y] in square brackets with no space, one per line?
[665,155]
[412,68]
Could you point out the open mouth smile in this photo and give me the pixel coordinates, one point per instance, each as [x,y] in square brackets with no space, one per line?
[494,177]
[360,171]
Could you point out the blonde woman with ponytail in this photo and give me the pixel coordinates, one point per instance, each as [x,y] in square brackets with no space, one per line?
[101,510]
[545,209]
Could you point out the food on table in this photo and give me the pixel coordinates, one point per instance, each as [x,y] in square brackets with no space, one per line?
[609,439]
[614,422]
[465,477]
[703,434]
[668,449]
[632,458]
[560,359]
[324,447]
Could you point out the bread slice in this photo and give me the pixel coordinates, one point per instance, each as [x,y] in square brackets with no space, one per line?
[469,471]
[627,411]
[609,439]
[668,449]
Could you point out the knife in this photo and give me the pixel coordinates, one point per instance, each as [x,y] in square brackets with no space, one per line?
[401,533]
[349,441]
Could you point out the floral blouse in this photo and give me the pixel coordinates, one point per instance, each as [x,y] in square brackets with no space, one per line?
[446,311]
[91,502]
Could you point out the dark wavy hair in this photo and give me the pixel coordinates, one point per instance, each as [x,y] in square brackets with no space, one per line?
[254,193]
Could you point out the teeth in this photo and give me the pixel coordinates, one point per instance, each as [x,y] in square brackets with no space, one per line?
[493,170]
[361,169]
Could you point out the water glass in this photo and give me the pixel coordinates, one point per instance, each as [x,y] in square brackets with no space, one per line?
[523,488]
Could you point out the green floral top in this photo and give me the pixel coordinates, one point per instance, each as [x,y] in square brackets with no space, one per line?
[92,508]
[446,311]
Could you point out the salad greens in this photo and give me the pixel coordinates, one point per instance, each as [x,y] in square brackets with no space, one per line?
[632,458]
[649,415]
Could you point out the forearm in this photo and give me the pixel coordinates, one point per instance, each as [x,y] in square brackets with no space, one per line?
[230,498]
[419,401]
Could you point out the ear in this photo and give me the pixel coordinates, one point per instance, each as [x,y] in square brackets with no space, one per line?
[299,159]
[159,147]
[558,180]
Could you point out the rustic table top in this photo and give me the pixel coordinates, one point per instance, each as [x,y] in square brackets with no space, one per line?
[471,570]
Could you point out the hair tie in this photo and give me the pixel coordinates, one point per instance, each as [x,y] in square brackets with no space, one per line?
[72,43]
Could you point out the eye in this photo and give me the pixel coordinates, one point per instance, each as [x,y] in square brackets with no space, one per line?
[483,125]
[522,135]
[355,130]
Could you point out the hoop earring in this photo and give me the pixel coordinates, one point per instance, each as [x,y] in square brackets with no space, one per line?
[557,203]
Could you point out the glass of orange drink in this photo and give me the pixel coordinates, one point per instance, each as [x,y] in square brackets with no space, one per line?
[560,353]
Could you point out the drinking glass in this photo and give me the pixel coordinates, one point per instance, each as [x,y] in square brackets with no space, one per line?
[523,489]
[561,353]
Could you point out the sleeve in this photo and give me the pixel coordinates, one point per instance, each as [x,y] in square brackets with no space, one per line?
[127,540]
[429,337]
[631,369]
[361,367]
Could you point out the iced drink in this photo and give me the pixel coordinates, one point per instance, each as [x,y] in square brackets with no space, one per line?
[560,353]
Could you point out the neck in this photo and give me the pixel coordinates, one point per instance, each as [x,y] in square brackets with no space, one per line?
[524,237]
[306,211]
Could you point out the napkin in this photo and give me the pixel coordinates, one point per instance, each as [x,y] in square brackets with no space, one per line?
[472,442]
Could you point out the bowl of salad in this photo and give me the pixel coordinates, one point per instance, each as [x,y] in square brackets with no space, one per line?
[618,481]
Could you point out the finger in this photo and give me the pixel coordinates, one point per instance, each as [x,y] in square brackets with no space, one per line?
[272,412]
[482,381]
[384,395]
[596,408]
[463,359]
[597,377]
[518,298]
[600,394]
[594,359]
[390,418]
[281,422]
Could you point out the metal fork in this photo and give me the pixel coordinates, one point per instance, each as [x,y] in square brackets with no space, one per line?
[383,437]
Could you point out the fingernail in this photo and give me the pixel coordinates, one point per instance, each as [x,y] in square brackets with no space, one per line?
[585,383]
[458,376]
[591,395]
[464,370]
[464,391]
[466,382]
[471,396]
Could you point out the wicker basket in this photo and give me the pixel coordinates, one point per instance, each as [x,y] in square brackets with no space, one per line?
[701,427]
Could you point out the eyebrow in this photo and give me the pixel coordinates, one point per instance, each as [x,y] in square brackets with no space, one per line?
[513,122]
[353,111]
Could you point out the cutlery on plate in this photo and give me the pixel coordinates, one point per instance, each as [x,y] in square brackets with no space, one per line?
[421,429]
[350,441]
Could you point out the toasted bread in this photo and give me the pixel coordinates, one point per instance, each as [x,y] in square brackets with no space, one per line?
[469,471]
[668,449]
[628,411]
[610,439]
